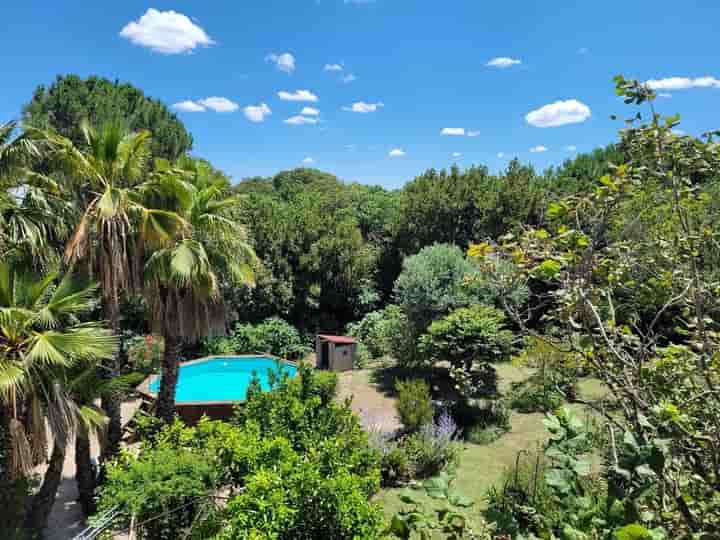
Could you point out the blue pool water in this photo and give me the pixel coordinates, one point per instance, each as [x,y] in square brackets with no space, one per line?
[224,378]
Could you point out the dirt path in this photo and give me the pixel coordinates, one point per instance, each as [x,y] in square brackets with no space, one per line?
[375,408]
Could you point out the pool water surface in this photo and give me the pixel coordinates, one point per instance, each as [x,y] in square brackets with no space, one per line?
[224,378]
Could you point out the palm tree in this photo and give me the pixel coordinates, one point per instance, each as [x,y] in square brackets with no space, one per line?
[30,213]
[185,279]
[42,342]
[110,177]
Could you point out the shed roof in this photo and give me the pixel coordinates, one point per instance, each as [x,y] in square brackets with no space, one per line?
[337,339]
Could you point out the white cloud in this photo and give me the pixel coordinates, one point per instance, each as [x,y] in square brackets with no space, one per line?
[284,62]
[570,148]
[453,131]
[500,155]
[538,149]
[364,108]
[188,106]
[502,62]
[333,67]
[664,95]
[349,78]
[166,32]
[472,133]
[298,95]
[299,120]
[456,154]
[219,104]
[559,113]
[257,113]
[683,83]
[396,152]
[308,160]
[310,111]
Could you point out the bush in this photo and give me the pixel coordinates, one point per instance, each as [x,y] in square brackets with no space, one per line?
[396,466]
[543,392]
[414,404]
[145,353]
[470,339]
[434,446]
[273,335]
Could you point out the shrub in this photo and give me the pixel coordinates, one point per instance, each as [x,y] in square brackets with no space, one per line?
[273,335]
[414,404]
[543,392]
[396,466]
[145,353]
[434,446]
[470,338]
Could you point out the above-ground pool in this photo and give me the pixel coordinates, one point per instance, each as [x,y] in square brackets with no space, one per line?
[223,378]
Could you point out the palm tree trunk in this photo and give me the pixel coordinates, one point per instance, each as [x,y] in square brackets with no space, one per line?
[168,382]
[13,489]
[111,402]
[84,472]
[37,517]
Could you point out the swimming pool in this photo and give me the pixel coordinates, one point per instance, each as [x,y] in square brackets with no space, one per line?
[223,378]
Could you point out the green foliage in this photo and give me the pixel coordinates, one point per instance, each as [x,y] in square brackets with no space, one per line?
[434,446]
[296,465]
[414,403]
[157,483]
[70,100]
[470,338]
[273,335]
[144,353]
[433,283]
[452,521]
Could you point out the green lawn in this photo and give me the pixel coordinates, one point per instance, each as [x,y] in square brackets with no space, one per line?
[481,467]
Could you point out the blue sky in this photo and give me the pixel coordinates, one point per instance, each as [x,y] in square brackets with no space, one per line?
[418,66]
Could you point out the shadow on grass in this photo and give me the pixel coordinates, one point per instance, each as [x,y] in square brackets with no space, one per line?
[385,378]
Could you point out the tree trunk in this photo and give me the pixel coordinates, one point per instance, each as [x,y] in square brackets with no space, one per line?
[37,517]
[168,382]
[13,489]
[84,472]
[111,401]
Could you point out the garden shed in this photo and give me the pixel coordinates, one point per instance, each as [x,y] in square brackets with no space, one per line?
[335,353]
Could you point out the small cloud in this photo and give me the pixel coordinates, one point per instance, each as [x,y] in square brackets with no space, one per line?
[500,155]
[456,154]
[188,106]
[472,133]
[308,160]
[559,113]
[363,108]
[664,95]
[503,62]
[583,50]
[298,95]
[538,149]
[299,120]
[256,113]
[284,62]
[396,152]
[310,111]
[333,67]
[570,148]
[453,131]
[219,104]
[166,32]
[349,78]
[683,83]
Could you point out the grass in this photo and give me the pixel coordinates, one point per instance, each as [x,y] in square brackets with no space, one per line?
[482,466]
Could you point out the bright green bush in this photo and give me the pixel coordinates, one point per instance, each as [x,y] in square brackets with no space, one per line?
[434,446]
[414,403]
[273,335]
[470,339]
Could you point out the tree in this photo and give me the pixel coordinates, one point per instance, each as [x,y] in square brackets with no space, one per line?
[70,102]
[41,345]
[471,339]
[434,282]
[184,277]
[108,175]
